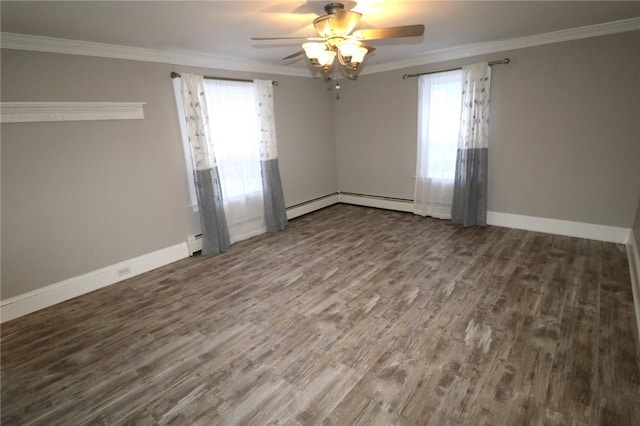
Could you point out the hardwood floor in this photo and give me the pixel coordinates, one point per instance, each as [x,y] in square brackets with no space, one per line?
[350,316]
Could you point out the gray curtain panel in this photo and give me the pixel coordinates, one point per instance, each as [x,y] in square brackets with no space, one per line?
[275,214]
[469,206]
[274,207]
[215,234]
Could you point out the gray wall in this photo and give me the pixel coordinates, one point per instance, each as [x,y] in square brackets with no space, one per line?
[565,131]
[306,139]
[79,196]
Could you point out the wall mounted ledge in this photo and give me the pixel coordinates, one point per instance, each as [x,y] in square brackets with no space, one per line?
[24,112]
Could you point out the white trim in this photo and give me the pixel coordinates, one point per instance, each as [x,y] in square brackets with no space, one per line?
[103,50]
[633,252]
[610,234]
[377,202]
[463,51]
[24,112]
[41,298]
[312,206]
[77,47]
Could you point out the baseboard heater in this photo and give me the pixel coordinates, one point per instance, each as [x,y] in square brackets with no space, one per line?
[194,244]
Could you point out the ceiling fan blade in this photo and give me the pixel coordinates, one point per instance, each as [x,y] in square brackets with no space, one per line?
[281,38]
[370,49]
[390,32]
[293,55]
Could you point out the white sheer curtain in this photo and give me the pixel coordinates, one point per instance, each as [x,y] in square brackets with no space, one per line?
[439,106]
[274,206]
[192,109]
[233,128]
[470,190]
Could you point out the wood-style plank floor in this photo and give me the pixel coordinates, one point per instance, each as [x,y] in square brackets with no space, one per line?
[350,316]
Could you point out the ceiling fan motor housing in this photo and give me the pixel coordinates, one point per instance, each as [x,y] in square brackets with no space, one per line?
[337,22]
[332,8]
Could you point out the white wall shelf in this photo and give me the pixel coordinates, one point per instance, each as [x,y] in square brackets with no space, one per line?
[24,112]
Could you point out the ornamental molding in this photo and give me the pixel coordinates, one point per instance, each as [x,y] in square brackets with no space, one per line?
[25,112]
[103,50]
[86,48]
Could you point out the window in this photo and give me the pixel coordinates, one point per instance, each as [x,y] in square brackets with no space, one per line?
[440,101]
[233,133]
[233,128]
[439,108]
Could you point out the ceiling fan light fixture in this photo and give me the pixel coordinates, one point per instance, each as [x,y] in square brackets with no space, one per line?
[336,38]
[326,58]
[320,54]
[352,51]
[313,50]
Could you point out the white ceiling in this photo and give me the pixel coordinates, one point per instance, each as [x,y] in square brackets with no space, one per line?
[223,28]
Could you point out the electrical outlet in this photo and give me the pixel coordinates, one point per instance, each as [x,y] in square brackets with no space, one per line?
[124,271]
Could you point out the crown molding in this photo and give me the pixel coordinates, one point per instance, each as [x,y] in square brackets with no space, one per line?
[103,50]
[86,48]
[25,112]
[463,51]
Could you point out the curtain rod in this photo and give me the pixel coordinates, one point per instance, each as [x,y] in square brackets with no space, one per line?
[176,75]
[502,61]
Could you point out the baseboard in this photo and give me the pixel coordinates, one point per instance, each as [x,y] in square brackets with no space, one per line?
[387,203]
[41,298]
[312,205]
[590,231]
[633,253]
[50,295]
[59,292]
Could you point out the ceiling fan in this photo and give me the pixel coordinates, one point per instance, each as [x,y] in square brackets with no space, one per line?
[336,38]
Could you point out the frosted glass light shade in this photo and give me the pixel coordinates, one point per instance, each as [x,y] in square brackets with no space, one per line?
[314,50]
[326,57]
[358,55]
[352,51]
